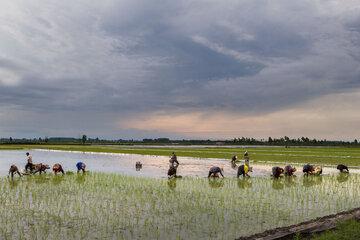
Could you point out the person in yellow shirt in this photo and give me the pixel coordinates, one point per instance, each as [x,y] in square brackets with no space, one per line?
[243,170]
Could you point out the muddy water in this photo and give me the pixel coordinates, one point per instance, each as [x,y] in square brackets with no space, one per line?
[152,166]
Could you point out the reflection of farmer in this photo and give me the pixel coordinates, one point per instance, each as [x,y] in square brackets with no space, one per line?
[246,157]
[289,182]
[29,164]
[214,172]
[311,181]
[233,165]
[173,160]
[80,167]
[342,178]
[244,183]
[243,170]
[216,183]
[277,184]
[289,171]
[277,171]
[172,183]
[342,168]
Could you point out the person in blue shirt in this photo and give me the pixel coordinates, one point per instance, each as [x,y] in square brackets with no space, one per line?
[215,170]
[80,166]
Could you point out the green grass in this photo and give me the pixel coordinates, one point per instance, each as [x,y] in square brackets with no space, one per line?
[348,230]
[321,156]
[99,205]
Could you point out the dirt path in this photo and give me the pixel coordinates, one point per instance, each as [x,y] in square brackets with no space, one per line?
[307,228]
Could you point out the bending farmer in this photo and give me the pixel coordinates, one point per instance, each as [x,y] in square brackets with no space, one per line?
[80,167]
[214,171]
[243,170]
[41,168]
[13,169]
[308,169]
[277,171]
[342,168]
[289,171]
[58,168]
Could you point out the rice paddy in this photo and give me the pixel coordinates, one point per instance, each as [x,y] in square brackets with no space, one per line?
[111,206]
[313,155]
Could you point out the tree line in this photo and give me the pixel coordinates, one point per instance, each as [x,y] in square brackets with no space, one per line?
[282,141]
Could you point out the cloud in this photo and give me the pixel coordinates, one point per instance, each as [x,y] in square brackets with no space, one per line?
[124,59]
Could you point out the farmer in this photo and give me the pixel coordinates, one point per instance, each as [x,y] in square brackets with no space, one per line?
[289,171]
[173,160]
[342,168]
[29,162]
[41,168]
[13,169]
[246,157]
[214,172]
[318,170]
[172,172]
[58,168]
[243,170]
[80,166]
[233,159]
[277,171]
[308,169]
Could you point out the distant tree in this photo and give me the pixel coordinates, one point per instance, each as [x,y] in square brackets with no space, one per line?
[270,140]
[10,139]
[46,139]
[84,138]
[356,141]
[40,139]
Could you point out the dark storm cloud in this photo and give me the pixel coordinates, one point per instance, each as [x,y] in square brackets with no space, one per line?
[122,58]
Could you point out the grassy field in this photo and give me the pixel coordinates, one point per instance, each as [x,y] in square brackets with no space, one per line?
[110,206]
[348,230]
[322,156]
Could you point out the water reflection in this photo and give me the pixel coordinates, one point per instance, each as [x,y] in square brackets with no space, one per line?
[216,182]
[233,165]
[289,182]
[57,179]
[343,177]
[277,184]
[172,183]
[13,182]
[156,166]
[138,166]
[80,178]
[244,183]
[312,181]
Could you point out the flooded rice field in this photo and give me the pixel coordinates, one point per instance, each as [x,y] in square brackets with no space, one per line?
[152,166]
[114,206]
[114,201]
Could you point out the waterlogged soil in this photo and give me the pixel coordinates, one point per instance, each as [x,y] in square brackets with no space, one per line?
[152,166]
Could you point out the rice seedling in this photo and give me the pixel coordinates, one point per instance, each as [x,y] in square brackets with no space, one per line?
[100,205]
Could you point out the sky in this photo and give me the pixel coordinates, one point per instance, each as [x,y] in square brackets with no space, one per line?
[129,69]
